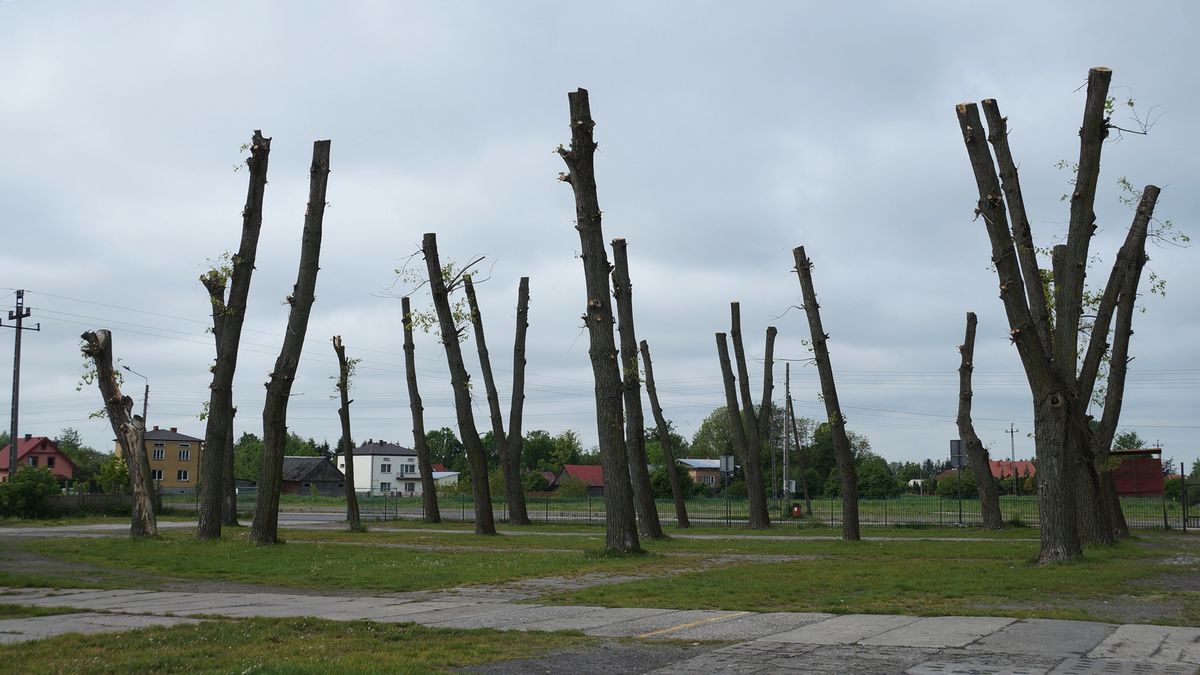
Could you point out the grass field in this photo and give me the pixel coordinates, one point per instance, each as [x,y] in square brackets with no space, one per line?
[280,645]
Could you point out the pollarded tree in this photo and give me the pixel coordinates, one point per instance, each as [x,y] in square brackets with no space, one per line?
[663,430]
[1074,505]
[229,313]
[621,533]
[345,372]
[460,381]
[265,528]
[989,500]
[751,430]
[129,429]
[420,440]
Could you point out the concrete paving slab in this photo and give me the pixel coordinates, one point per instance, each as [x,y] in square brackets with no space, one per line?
[599,616]
[660,624]
[1159,644]
[77,599]
[940,631]
[504,619]
[843,630]
[438,616]
[1087,666]
[1045,636]
[404,613]
[979,666]
[36,628]
[745,627]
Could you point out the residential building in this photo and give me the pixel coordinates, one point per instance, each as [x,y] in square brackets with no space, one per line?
[38,451]
[384,468]
[703,471]
[174,459]
[303,475]
[592,476]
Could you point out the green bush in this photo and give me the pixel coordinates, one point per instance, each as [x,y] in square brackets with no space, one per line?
[572,487]
[737,489]
[28,494]
[660,483]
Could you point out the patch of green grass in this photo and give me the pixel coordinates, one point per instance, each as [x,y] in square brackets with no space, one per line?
[173,515]
[281,645]
[329,565]
[37,580]
[926,578]
[27,611]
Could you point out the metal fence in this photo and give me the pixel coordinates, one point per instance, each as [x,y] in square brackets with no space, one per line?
[90,503]
[908,511]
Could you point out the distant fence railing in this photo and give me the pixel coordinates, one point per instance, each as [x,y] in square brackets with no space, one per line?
[90,503]
[1140,512]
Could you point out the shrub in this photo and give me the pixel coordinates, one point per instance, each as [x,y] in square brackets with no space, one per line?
[27,494]
[660,483]
[572,487]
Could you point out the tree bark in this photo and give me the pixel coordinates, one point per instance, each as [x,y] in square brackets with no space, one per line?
[621,534]
[833,410]
[428,486]
[129,429]
[516,410]
[229,506]
[460,381]
[664,441]
[233,313]
[742,439]
[347,441]
[989,500]
[265,528]
[635,420]
[514,491]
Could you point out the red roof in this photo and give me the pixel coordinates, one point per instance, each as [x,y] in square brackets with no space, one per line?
[592,475]
[1004,468]
[438,467]
[27,445]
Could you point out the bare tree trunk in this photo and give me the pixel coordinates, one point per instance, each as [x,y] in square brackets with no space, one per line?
[228,336]
[989,500]
[265,528]
[801,462]
[347,441]
[622,534]
[514,491]
[460,381]
[664,441]
[833,409]
[755,425]
[516,442]
[428,486]
[744,435]
[635,420]
[1059,534]
[129,429]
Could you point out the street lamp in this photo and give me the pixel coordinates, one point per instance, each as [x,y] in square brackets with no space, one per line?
[145,396]
[148,479]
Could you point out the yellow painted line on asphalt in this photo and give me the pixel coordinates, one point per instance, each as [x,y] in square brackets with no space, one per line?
[692,624]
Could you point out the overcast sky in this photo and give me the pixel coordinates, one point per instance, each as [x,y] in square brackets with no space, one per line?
[728,134]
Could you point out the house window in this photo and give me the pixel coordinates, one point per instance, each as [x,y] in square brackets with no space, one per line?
[410,468]
[410,487]
[50,462]
[181,475]
[385,486]
[385,468]
[32,460]
[185,455]
[160,454]
[156,474]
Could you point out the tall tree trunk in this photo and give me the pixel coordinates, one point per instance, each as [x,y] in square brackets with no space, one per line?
[664,441]
[801,461]
[1059,534]
[514,491]
[981,464]
[743,436]
[460,381]
[516,442]
[755,424]
[129,429]
[635,419]
[833,409]
[428,486]
[265,528]
[621,535]
[233,314]
[346,441]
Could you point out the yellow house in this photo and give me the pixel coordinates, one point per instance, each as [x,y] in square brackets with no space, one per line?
[174,459]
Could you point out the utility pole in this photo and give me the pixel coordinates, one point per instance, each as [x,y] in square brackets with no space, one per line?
[18,314]
[1012,445]
[787,436]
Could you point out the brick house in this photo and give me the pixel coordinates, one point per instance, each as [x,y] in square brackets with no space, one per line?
[174,459]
